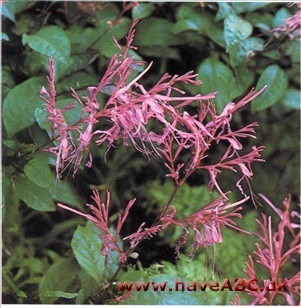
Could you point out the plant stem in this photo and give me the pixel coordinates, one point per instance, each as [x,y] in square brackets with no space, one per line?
[166,206]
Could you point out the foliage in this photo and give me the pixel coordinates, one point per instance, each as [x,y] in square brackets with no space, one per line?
[50,255]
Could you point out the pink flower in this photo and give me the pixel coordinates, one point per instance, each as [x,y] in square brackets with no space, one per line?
[273,251]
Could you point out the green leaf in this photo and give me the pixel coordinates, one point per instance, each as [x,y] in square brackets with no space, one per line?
[204,23]
[142,10]
[4,37]
[189,19]
[239,52]
[74,64]
[292,98]
[34,196]
[280,17]
[261,20]
[233,242]
[276,80]
[106,45]
[89,287]
[166,297]
[236,29]
[19,105]
[39,173]
[82,39]
[160,52]
[64,192]
[242,7]
[216,76]
[50,41]
[57,280]
[76,81]
[13,7]
[224,10]
[155,31]
[86,245]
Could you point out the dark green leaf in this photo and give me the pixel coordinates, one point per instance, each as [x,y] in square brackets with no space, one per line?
[57,280]
[39,173]
[74,64]
[261,20]
[89,287]
[142,10]
[189,19]
[86,245]
[19,105]
[276,80]
[63,191]
[292,99]
[155,31]
[106,45]
[216,76]
[236,29]
[83,39]
[50,41]
[78,80]
[109,14]
[34,196]
[160,52]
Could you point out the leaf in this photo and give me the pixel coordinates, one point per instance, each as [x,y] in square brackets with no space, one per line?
[50,41]
[19,105]
[292,98]
[224,10]
[280,17]
[13,7]
[236,29]
[276,80]
[261,20]
[216,76]
[242,7]
[166,297]
[86,245]
[57,280]
[142,10]
[34,196]
[160,52]
[39,173]
[4,37]
[64,192]
[89,287]
[240,51]
[155,31]
[76,81]
[106,44]
[189,19]
[82,39]
[233,242]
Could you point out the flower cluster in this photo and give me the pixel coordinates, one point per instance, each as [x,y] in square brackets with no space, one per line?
[273,251]
[156,122]
[206,224]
